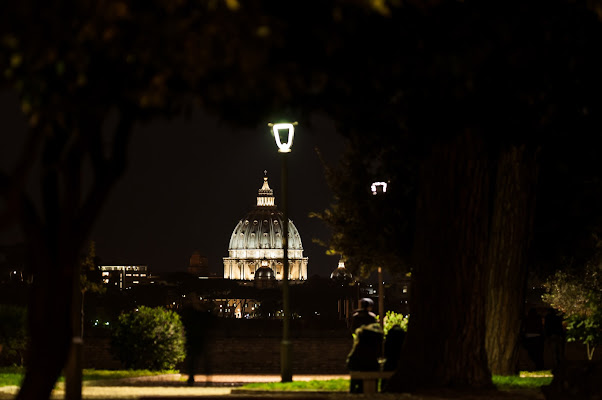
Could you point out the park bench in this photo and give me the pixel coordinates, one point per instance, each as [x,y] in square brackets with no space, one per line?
[370,378]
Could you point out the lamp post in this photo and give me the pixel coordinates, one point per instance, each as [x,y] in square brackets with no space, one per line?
[286,373]
[377,188]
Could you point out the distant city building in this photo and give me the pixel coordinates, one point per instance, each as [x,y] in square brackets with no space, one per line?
[258,237]
[236,308]
[124,276]
[198,265]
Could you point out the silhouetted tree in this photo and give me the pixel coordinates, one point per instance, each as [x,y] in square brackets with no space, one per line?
[85,73]
[452,101]
[488,89]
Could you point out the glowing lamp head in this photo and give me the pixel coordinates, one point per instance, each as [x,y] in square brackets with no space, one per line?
[376,185]
[276,128]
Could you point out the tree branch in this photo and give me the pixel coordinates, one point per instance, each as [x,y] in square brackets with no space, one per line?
[12,187]
[106,171]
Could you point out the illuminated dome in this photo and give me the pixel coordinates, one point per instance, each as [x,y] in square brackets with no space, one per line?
[265,273]
[341,273]
[259,235]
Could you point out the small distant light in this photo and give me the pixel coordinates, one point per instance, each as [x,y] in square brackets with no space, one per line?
[375,186]
[106,323]
[174,303]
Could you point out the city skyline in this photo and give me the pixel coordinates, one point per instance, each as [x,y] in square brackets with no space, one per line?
[190,180]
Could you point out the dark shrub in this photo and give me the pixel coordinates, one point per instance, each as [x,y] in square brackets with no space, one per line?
[13,334]
[150,338]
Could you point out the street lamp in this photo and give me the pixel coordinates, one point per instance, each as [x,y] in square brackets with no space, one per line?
[378,188]
[286,373]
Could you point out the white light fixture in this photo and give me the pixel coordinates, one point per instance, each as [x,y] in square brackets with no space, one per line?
[375,186]
[284,147]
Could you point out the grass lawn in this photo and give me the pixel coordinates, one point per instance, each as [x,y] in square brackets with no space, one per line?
[526,380]
[11,376]
[332,385]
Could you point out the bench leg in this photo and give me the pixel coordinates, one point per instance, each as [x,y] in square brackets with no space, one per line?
[370,385]
[355,386]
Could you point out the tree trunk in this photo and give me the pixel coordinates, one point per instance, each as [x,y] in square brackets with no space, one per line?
[56,231]
[445,344]
[54,242]
[511,229]
[49,316]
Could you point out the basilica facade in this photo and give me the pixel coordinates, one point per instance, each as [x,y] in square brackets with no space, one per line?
[255,251]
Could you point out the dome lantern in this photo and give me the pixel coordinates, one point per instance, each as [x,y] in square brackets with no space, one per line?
[265,197]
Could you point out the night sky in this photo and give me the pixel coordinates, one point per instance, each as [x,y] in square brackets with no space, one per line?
[190,180]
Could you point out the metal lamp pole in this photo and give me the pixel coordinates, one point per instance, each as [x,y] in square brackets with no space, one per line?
[286,373]
[376,188]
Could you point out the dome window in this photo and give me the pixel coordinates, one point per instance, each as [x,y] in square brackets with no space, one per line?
[255,222]
[275,222]
[246,222]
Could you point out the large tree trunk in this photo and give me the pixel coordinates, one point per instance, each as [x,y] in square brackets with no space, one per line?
[511,228]
[445,344]
[49,316]
[55,234]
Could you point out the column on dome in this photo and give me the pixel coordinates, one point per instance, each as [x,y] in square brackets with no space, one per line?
[294,269]
[227,264]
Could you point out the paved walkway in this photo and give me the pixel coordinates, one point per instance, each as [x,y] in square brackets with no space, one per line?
[243,378]
[167,386]
[218,387]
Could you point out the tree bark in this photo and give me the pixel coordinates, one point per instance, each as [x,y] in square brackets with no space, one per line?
[49,316]
[511,230]
[445,344]
[55,236]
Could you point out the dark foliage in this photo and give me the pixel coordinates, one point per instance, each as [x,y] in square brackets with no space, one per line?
[149,338]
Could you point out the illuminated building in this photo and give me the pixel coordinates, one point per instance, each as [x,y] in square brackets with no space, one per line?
[124,276]
[258,237]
